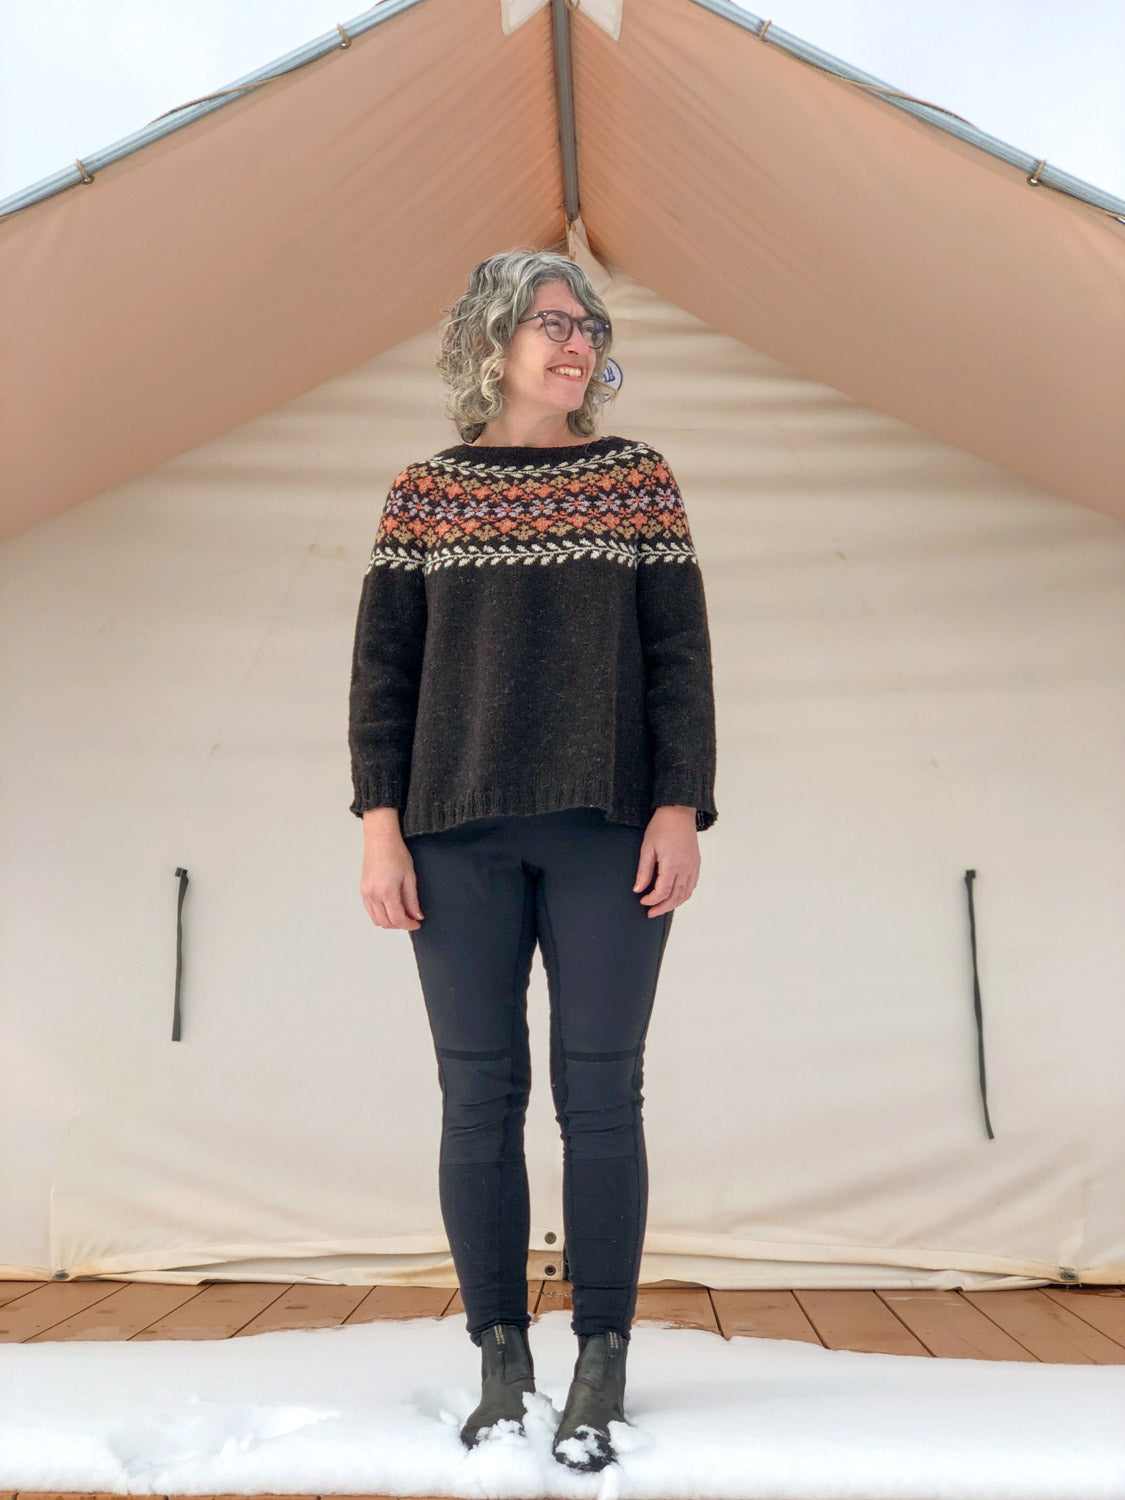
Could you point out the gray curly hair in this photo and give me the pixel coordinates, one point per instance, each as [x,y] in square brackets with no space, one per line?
[480,325]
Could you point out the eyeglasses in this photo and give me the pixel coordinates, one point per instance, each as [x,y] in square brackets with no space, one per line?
[560,325]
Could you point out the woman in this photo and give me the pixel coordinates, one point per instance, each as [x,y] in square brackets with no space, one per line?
[533,756]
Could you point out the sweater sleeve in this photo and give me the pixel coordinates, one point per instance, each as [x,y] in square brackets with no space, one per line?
[390,638]
[672,614]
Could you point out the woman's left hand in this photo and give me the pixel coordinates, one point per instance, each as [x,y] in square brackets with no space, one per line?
[671,843]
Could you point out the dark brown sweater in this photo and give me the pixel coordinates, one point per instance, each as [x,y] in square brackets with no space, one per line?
[532,635]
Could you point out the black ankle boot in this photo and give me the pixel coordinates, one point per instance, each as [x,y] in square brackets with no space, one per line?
[597,1397]
[507,1371]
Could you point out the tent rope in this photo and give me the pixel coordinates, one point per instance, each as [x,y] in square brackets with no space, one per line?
[182,876]
[888,93]
[970,876]
[261,82]
[875,88]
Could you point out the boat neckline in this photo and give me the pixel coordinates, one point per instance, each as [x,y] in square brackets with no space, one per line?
[520,451]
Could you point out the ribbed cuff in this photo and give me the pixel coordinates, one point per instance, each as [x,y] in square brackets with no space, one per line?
[687,791]
[377,789]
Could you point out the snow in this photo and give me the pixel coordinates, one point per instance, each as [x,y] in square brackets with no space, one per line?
[376,1408]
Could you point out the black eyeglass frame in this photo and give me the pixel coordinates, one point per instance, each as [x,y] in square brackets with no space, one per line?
[572,322]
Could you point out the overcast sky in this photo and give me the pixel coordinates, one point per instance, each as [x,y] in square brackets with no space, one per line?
[80,75]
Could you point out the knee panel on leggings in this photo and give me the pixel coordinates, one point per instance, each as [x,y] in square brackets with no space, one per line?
[484,1098]
[599,1103]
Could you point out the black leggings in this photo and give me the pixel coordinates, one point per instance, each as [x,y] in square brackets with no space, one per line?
[490,890]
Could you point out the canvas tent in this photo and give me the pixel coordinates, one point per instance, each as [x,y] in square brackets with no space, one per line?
[886,361]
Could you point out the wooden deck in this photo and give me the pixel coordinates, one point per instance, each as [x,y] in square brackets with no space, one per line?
[1054,1325]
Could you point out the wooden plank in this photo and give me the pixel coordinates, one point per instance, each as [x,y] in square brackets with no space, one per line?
[682,1306]
[1103,1307]
[306,1305]
[762,1313]
[9,1291]
[402,1302]
[1049,1330]
[50,1305]
[1053,1324]
[125,1312]
[217,1310]
[950,1327]
[855,1319]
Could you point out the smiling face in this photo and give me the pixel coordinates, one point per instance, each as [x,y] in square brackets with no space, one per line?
[532,379]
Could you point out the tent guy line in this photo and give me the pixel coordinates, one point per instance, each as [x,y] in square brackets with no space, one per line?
[186,114]
[970,876]
[1062,182]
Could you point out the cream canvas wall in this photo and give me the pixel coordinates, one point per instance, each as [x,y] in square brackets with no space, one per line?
[918,670]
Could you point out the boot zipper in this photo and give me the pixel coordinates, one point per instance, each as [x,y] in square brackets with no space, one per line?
[500,1339]
[614,1340]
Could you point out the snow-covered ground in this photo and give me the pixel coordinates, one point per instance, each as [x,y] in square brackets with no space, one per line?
[375,1409]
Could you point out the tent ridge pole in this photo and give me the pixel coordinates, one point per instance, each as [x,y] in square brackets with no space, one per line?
[564,95]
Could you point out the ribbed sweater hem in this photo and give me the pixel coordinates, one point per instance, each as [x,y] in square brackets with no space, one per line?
[437,814]
[523,801]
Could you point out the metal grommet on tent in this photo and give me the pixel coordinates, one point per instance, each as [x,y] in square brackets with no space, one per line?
[347,39]
[1034,178]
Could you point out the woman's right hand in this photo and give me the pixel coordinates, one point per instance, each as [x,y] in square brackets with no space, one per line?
[388,884]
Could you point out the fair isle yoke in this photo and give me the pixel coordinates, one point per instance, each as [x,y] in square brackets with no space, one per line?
[485,685]
[620,504]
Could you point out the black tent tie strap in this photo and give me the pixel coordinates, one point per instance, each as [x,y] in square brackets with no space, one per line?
[970,876]
[182,876]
